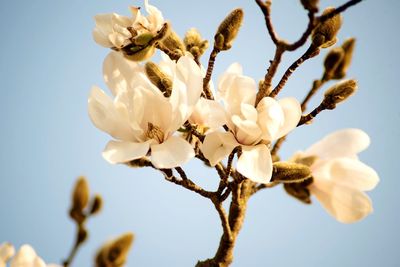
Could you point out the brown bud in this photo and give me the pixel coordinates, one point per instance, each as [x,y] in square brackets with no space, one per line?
[194,43]
[332,61]
[228,30]
[348,48]
[114,253]
[158,78]
[339,93]
[82,234]
[310,5]
[80,197]
[324,35]
[138,53]
[289,172]
[97,204]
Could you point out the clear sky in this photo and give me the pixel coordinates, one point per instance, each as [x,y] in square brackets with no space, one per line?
[48,62]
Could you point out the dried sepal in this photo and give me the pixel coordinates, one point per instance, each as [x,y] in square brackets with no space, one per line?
[228,30]
[290,172]
[324,35]
[114,253]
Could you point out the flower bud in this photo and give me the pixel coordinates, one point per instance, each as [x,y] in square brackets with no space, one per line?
[80,197]
[310,5]
[137,53]
[158,78]
[194,43]
[97,204]
[324,35]
[228,30]
[332,61]
[348,48]
[289,172]
[339,92]
[173,43]
[114,253]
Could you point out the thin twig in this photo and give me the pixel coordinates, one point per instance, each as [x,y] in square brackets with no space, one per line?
[306,34]
[266,9]
[317,84]
[224,218]
[312,114]
[311,52]
[338,10]
[206,80]
[262,186]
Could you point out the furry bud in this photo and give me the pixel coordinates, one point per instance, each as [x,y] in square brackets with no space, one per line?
[348,48]
[228,30]
[80,197]
[289,172]
[173,43]
[339,93]
[114,253]
[158,78]
[324,35]
[97,204]
[194,43]
[332,61]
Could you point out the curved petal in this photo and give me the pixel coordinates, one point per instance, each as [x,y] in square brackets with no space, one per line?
[155,17]
[241,90]
[345,204]
[292,114]
[101,39]
[172,153]
[121,152]
[103,29]
[26,256]
[226,79]
[353,173]
[343,143]
[270,118]
[217,146]
[247,132]
[255,163]
[208,113]
[108,117]
[118,71]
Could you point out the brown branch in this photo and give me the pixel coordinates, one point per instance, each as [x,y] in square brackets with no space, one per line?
[266,10]
[206,80]
[311,52]
[338,10]
[266,86]
[317,84]
[306,34]
[312,114]
[263,186]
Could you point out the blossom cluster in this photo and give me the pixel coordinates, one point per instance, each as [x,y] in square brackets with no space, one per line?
[151,117]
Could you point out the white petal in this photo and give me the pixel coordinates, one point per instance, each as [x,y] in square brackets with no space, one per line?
[101,39]
[208,113]
[6,252]
[226,79]
[241,90]
[343,143]
[255,163]
[270,118]
[118,71]
[121,152]
[247,132]
[107,117]
[25,257]
[353,173]
[249,112]
[172,153]
[155,17]
[292,114]
[103,29]
[345,204]
[217,146]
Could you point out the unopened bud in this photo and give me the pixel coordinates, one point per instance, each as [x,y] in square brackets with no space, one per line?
[228,30]
[348,48]
[299,190]
[173,43]
[158,78]
[80,197]
[332,61]
[194,43]
[310,5]
[97,204]
[339,92]
[114,253]
[289,172]
[324,35]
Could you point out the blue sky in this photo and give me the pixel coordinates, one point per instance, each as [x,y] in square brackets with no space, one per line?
[48,62]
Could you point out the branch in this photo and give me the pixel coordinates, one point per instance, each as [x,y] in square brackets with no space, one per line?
[306,34]
[266,10]
[338,10]
[206,80]
[311,52]
[306,119]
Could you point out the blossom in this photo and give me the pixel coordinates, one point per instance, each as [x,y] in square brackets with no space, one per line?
[140,118]
[252,128]
[113,30]
[25,257]
[339,177]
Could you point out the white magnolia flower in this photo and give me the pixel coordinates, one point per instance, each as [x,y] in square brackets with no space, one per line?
[113,30]
[140,118]
[252,128]
[340,179]
[25,257]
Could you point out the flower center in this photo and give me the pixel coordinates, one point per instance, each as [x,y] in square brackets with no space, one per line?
[154,132]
